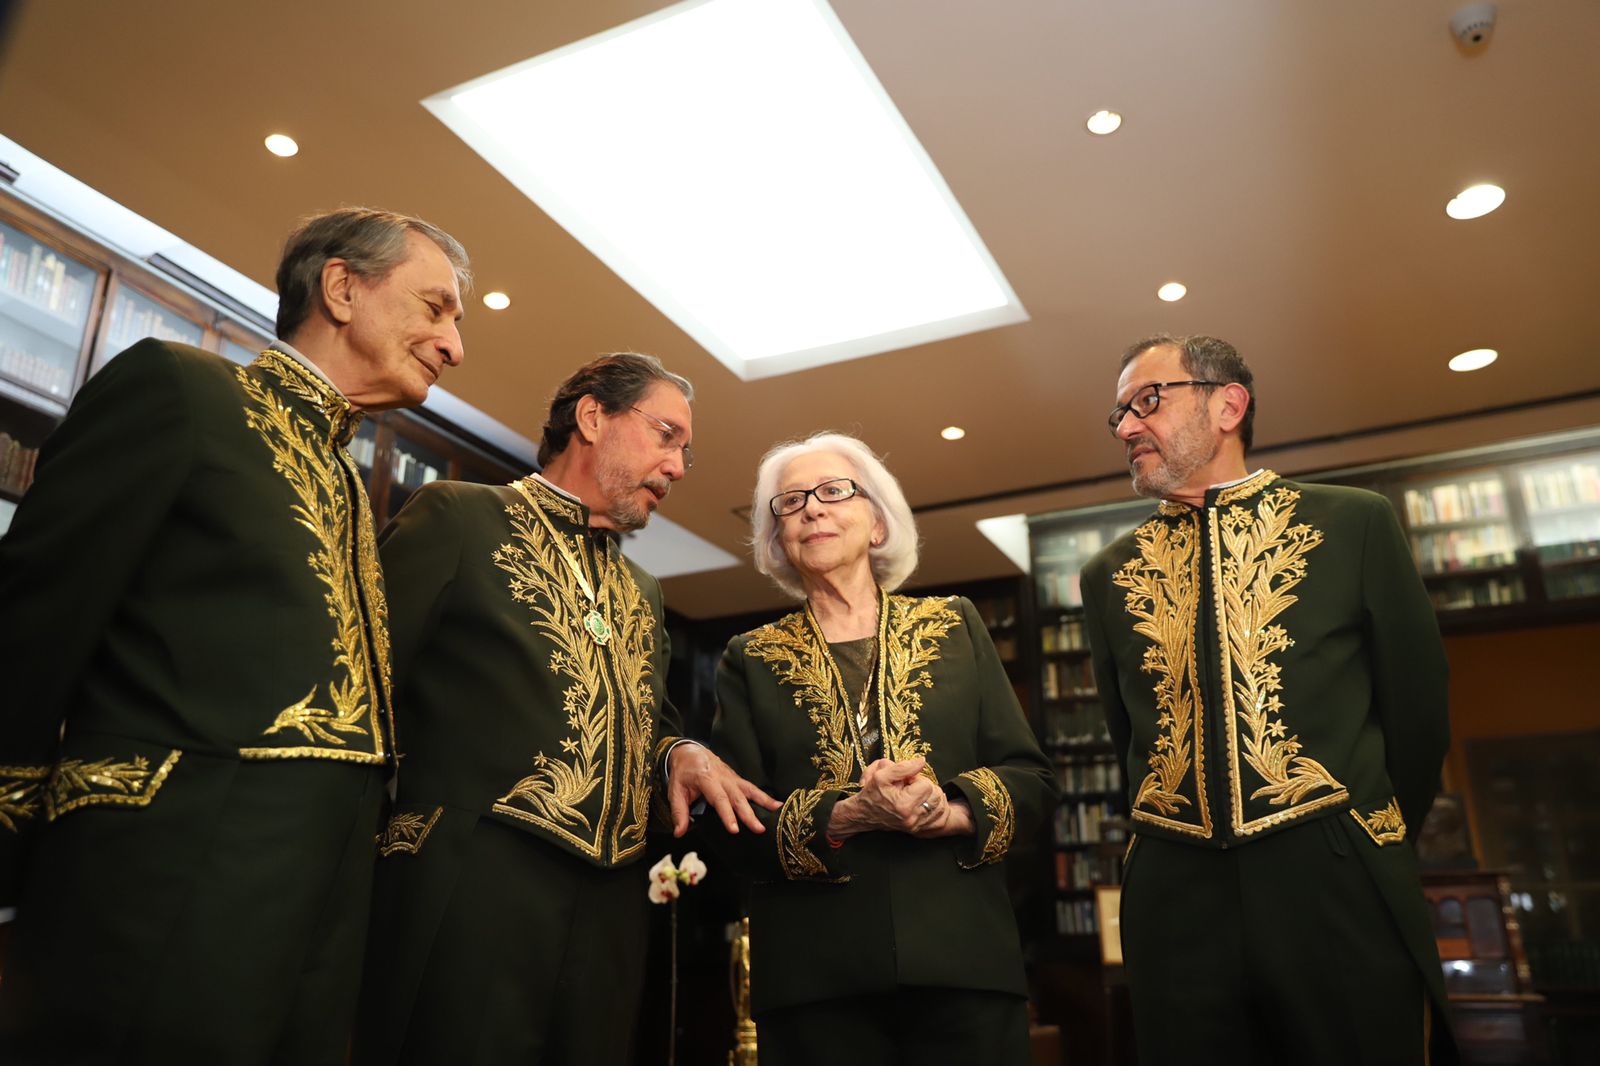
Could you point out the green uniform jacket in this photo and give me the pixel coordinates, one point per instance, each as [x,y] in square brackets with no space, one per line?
[192,572]
[508,706]
[883,910]
[1272,658]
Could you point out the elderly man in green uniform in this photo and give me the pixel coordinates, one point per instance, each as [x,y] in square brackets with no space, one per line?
[1275,687]
[530,676]
[196,723]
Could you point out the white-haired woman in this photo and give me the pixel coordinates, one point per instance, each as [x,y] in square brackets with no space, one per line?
[880,928]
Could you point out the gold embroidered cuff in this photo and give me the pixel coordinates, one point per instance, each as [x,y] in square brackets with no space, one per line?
[1002,816]
[20,789]
[1384,825]
[406,831]
[796,831]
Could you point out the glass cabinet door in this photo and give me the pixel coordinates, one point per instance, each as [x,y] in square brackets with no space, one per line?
[135,316]
[1562,500]
[413,466]
[1464,540]
[45,301]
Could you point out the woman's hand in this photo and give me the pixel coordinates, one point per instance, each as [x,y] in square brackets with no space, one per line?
[895,797]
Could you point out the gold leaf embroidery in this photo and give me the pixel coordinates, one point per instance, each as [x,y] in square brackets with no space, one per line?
[799,658]
[1260,557]
[1002,816]
[406,831]
[75,783]
[1164,597]
[554,792]
[21,789]
[795,833]
[1385,825]
[322,508]
[910,644]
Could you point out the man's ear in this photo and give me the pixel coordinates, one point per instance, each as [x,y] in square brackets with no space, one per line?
[1235,402]
[338,291]
[587,414]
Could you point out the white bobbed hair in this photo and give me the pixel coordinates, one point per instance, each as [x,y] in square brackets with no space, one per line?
[892,561]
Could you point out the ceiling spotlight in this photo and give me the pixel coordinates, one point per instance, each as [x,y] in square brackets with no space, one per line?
[1104,122]
[1476,359]
[281,144]
[1476,201]
[952,433]
[1172,292]
[496,301]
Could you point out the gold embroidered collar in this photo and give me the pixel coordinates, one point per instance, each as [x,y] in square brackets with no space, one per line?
[1232,494]
[554,503]
[343,418]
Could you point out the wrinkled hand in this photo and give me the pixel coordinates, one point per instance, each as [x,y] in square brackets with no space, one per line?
[895,796]
[695,772]
[954,820]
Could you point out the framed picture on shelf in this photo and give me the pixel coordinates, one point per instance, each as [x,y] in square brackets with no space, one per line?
[1108,914]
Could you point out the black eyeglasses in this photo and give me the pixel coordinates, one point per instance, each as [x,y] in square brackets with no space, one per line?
[671,436]
[836,491]
[1145,402]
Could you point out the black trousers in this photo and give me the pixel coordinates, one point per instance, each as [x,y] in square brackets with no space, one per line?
[911,1026]
[490,947]
[1283,950]
[224,923]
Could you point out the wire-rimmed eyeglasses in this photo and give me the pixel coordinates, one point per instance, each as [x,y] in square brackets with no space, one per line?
[671,436]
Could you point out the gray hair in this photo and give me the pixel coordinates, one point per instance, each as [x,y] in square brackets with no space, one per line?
[616,381]
[892,561]
[371,242]
[1207,359]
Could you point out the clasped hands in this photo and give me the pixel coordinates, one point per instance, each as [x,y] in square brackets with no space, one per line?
[898,797]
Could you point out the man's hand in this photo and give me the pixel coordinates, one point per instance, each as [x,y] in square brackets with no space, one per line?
[694,772]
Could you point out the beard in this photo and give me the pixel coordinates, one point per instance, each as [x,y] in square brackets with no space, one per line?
[1186,451]
[620,488]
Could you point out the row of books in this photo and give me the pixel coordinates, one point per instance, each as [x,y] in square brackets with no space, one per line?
[1100,774]
[1059,588]
[411,472]
[1064,678]
[1465,549]
[36,371]
[1576,584]
[364,450]
[1563,486]
[1492,592]
[1065,635]
[1085,869]
[31,272]
[1456,501]
[1079,725]
[997,612]
[1076,916]
[133,320]
[17,461]
[1087,822]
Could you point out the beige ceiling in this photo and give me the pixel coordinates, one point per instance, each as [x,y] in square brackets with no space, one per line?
[1288,161]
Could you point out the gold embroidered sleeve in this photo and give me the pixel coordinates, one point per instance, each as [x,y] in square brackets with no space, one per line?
[1384,825]
[998,825]
[797,838]
[406,831]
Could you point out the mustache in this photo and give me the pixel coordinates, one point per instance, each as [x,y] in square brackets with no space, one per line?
[658,485]
[1140,442]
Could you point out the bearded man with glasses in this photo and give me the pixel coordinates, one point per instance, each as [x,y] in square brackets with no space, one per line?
[1275,688]
[530,673]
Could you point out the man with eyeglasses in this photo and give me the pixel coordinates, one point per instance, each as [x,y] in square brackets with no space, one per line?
[1275,688]
[530,669]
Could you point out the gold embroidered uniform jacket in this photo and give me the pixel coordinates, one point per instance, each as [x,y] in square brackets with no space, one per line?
[885,909]
[1267,658]
[193,572]
[507,706]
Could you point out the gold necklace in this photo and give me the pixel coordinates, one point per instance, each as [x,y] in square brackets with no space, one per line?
[594,622]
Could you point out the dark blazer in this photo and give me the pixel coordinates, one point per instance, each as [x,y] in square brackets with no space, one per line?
[883,910]
[193,573]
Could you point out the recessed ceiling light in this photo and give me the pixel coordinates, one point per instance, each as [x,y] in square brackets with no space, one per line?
[1104,122]
[1476,359]
[794,222]
[1172,291]
[1475,201]
[282,144]
[952,433]
[496,301]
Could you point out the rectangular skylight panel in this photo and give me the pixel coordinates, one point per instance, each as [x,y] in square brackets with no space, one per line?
[738,163]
